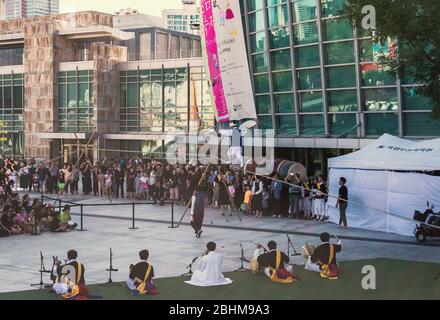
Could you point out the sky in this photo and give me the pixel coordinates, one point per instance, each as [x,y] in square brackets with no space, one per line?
[110,6]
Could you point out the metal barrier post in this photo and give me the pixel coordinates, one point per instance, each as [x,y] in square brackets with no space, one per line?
[172,215]
[81,217]
[133,218]
[42,199]
[59,205]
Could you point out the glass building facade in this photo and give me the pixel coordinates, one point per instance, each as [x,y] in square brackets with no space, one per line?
[11,114]
[165,100]
[75,101]
[313,77]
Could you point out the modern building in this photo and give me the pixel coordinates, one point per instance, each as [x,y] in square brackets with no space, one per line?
[319,86]
[131,18]
[186,19]
[84,84]
[16,9]
[2,9]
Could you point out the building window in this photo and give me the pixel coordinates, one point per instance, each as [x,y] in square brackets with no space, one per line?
[332,8]
[337,29]
[281,60]
[342,101]
[277,16]
[342,123]
[286,125]
[75,101]
[373,75]
[305,33]
[265,122]
[255,4]
[263,104]
[282,81]
[279,38]
[284,103]
[304,10]
[307,56]
[380,123]
[258,42]
[259,63]
[309,79]
[256,21]
[384,99]
[261,83]
[341,77]
[420,125]
[414,101]
[339,52]
[311,101]
[312,125]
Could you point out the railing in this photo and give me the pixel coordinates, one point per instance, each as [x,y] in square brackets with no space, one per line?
[82,206]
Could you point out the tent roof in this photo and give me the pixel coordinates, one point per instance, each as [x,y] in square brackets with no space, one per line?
[392,153]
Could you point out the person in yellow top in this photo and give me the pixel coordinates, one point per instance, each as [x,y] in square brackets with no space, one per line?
[247,200]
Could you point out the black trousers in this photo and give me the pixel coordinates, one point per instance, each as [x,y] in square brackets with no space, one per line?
[342,216]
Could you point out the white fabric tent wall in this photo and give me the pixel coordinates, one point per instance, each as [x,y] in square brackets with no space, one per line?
[383,188]
[383,200]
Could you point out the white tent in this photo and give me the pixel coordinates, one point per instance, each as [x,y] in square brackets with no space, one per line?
[386,183]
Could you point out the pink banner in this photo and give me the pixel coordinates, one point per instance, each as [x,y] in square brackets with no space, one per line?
[214,61]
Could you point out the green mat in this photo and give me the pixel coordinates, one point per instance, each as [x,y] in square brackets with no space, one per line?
[395,279]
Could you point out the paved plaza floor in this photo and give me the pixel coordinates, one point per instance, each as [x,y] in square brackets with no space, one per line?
[171,249]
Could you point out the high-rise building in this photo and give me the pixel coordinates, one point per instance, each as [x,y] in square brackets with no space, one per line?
[16,9]
[186,19]
[2,9]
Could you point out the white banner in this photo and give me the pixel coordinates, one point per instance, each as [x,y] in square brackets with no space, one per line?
[228,64]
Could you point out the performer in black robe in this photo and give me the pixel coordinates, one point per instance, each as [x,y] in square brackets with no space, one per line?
[323,259]
[87,180]
[198,207]
[72,284]
[268,260]
[141,276]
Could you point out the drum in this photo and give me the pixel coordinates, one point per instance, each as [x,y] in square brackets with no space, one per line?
[255,267]
[287,167]
[308,250]
[260,166]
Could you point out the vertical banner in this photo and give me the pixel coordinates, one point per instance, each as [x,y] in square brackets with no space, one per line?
[227,61]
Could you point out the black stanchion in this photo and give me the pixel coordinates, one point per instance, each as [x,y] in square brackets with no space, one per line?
[59,205]
[133,218]
[42,199]
[172,215]
[81,218]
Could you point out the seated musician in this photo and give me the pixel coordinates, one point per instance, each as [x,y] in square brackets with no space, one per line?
[276,264]
[71,285]
[209,269]
[140,280]
[323,259]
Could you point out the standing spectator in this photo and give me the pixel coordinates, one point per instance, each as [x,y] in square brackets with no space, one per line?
[247,200]
[306,201]
[31,172]
[294,194]
[319,199]
[266,200]
[87,179]
[276,188]
[95,180]
[108,178]
[223,196]
[342,202]
[53,178]
[257,190]
[174,191]
[131,175]
[101,181]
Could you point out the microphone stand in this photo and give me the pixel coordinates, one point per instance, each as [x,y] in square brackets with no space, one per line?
[242,259]
[190,268]
[290,244]
[42,270]
[110,269]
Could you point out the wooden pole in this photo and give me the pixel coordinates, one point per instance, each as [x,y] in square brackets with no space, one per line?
[189,202]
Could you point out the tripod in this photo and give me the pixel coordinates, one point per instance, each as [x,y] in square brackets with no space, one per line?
[42,270]
[110,269]
[190,268]
[242,259]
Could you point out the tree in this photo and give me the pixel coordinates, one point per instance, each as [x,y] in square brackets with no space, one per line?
[416,26]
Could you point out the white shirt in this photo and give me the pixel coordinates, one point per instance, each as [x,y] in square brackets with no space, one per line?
[209,270]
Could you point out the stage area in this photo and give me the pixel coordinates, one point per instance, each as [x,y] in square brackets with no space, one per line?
[396,279]
[171,250]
